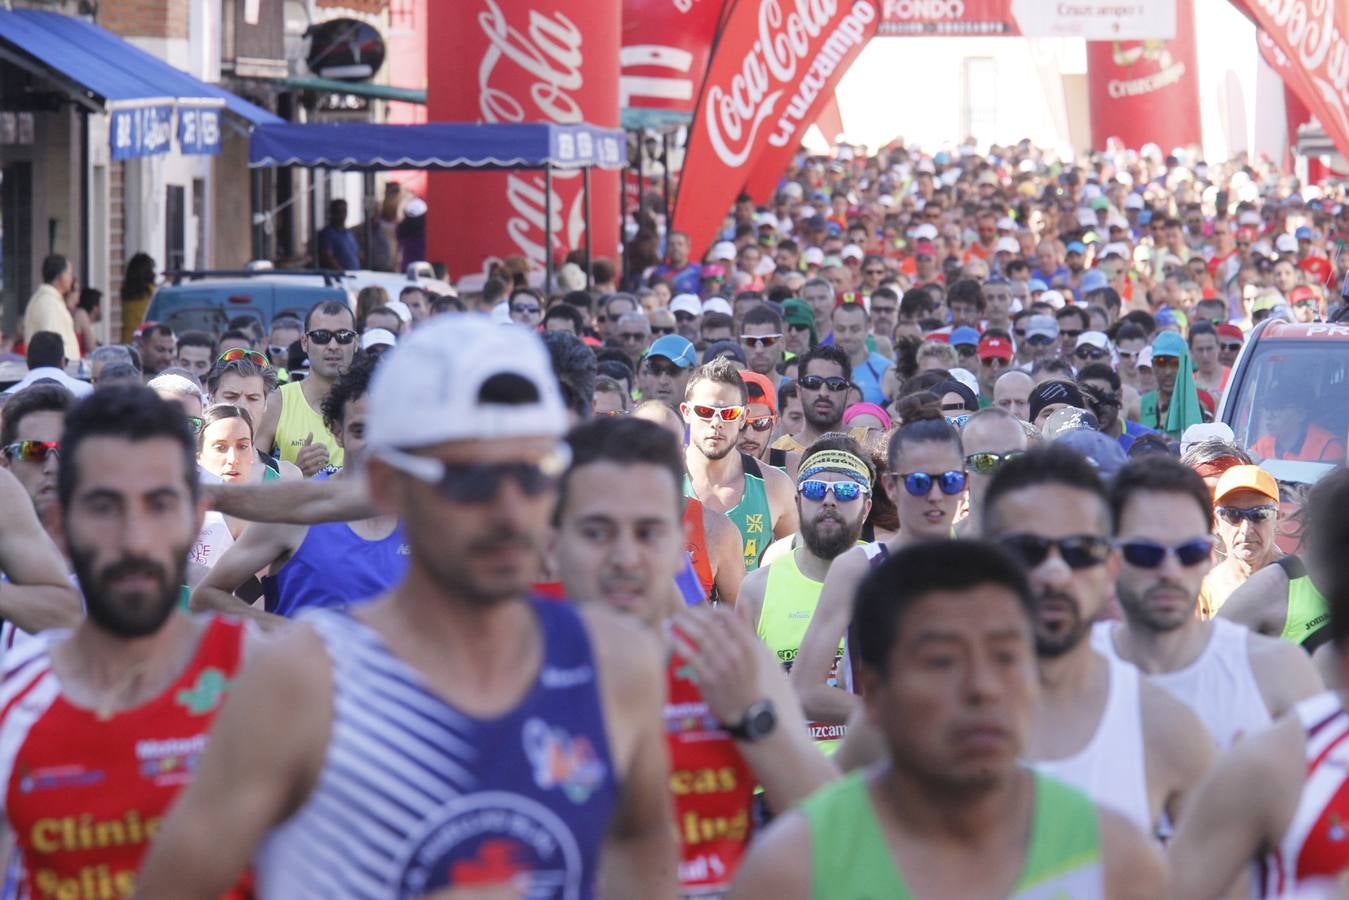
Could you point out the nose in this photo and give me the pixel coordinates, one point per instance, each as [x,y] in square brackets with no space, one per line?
[982,683]
[1053,572]
[626,550]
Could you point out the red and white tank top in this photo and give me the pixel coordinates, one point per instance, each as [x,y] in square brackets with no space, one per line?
[84,795]
[1315,848]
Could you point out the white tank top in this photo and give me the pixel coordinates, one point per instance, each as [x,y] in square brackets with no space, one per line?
[1112,768]
[1219,686]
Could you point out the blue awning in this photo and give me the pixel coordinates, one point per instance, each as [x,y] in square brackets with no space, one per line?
[439,145]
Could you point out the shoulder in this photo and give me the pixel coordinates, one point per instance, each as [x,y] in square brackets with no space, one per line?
[779,862]
[1132,863]
[626,654]
[1173,731]
[755,583]
[851,563]
[289,471]
[1283,671]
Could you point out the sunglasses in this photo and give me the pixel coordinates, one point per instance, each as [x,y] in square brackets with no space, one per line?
[1233,515]
[833,383]
[760,423]
[276,350]
[1089,354]
[634,336]
[1020,333]
[919,484]
[760,340]
[1039,340]
[1073,333]
[873,271]
[682,316]
[1079,551]
[662,331]
[33,451]
[666,370]
[1231,346]
[526,309]
[480,482]
[725,413]
[958,421]
[324,336]
[1150,554]
[1166,362]
[988,462]
[196,423]
[843,491]
[256,357]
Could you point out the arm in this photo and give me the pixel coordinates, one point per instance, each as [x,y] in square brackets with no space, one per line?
[1134,867]
[1327,662]
[782,501]
[39,594]
[750,605]
[1283,671]
[810,673]
[264,435]
[778,863]
[297,502]
[1178,750]
[1261,604]
[259,547]
[862,746]
[288,471]
[245,786]
[793,465]
[727,551]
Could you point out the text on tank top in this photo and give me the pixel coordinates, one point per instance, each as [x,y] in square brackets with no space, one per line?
[1219,686]
[1314,851]
[415,796]
[752,515]
[1111,768]
[850,854]
[212,541]
[83,794]
[334,567]
[1307,617]
[712,785]
[297,421]
[789,603]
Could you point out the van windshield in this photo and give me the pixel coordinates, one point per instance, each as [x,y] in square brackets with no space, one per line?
[1292,403]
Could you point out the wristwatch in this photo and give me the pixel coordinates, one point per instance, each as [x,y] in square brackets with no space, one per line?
[756,724]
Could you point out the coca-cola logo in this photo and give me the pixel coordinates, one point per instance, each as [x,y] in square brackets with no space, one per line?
[1309,34]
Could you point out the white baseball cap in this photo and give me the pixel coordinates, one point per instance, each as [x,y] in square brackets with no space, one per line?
[445,382]
[925,232]
[398,306]
[1054,299]
[1006,244]
[1285,243]
[813,256]
[377,337]
[688,303]
[1134,201]
[852,251]
[1095,339]
[723,250]
[1249,217]
[717,304]
[1006,223]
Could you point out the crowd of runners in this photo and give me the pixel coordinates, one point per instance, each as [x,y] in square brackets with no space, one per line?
[888,548]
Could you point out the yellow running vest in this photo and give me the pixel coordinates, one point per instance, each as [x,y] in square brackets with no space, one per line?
[298,420]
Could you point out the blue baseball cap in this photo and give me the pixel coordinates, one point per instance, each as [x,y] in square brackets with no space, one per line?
[964,335]
[678,350]
[1304,234]
[1077,247]
[1145,217]
[1035,285]
[1094,280]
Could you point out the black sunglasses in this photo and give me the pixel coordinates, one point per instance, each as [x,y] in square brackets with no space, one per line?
[1078,551]
[324,336]
[833,383]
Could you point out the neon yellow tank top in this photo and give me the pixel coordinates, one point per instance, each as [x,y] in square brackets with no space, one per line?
[297,420]
[789,603]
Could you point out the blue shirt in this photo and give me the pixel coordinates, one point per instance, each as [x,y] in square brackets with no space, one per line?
[1132,432]
[688,280]
[342,244]
[867,377]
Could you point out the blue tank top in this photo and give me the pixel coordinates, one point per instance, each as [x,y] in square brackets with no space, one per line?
[334,567]
[690,588]
[415,796]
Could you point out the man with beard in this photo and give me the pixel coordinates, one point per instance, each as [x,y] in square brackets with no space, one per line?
[1099,725]
[1102,389]
[761,415]
[104,724]
[731,722]
[1236,681]
[825,377]
[455,731]
[833,498]
[758,498]
[761,337]
[664,371]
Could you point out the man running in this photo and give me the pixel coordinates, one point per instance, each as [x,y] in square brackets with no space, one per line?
[944,638]
[1011,392]
[240,379]
[1236,681]
[1099,725]
[454,733]
[833,498]
[104,725]
[731,721]
[824,379]
[758,498]
[664,372]
[1246,504]
[991,437]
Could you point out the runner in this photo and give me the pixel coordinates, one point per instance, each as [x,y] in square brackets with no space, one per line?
[731,721]
[1011,392]
[1278,798]
[925,474]
[762,340]
[241,379]
[824,380]
[1246,504]
[948,668]
[866,367]
[1236,681]
[331,565]
[522,741]
[294,424]
[1098,725]
[833,498]
[758,498]
[664,371]
[761,416]
[102,726]
[990,438]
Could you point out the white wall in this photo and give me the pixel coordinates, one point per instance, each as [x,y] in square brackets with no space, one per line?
[1240,97]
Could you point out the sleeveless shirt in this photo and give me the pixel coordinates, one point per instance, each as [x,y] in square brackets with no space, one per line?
[1308,615]
[752,515]
[335,567]
[298,419]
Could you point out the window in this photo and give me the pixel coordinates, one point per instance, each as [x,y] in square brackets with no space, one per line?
[175,228]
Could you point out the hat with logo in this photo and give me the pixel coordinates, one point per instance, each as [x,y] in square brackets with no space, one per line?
[459,378]
[1070,418]
[1050,393]
[1042,326]
[995,347]
[678,350]
[1246,478]
[378,337]
[687,303]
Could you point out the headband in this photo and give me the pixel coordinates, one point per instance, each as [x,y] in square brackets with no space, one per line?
[835,461]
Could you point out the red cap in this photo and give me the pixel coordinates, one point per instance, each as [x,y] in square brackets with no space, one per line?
[925,247]
[1302,292]
[1230,331]
[848,298]
[1246,233]
[995,347]
[765,387]
[1318,267]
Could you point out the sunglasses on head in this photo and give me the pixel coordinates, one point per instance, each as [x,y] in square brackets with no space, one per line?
[33,451]
[481,482]
[760,340]
[988,462]
[919,484]
[815,382]
[760,423]
[843,491]
[725,413]
[257,357]
[1150,554]
[324,336]
[1079,551]
[1233,515]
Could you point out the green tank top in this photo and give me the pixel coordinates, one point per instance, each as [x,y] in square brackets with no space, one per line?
[1308,615]
[752,515]
[298,419]
[850,858]
[789,603]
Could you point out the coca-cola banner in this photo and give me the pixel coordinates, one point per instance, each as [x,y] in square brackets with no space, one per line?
[772,63]
[666,45]
[521,61]
[1146,91]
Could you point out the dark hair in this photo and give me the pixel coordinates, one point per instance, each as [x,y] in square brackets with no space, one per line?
[916,302]
[763,314]
[372,296]
[579,299]
[566,311]
[119,371]
[45,349]
[625,440]
[1324,520]
[40,397]
[786,391]
[234,334]
[90,299]
[1099,372]
[156,329]
[219,412]
[493,289]
[602,270]
[250,325]
[1215,449]
[288,323]
[351,385]
[719,371]
[1108,297]
[1199,328]
[911,573]
[1052,464]
[1055,366]
[330,308]
[413,289]
[244,368]
[1129,331]
[1082,317]
[1150,444]
[131,412]
[925,381]
[196,339]
[53,267]
[923,424]
[444,303]
[716,319]
[139,278]
[575,366]
[966,290]
[828,353]
[1164,476]
[1143,320]
[382,311]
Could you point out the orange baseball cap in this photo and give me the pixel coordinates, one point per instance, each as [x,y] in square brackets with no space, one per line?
[1246,478]
[760,389]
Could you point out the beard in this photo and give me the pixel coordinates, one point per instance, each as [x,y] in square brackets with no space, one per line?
[134,613]
[1137,609]
[720,451]
[828,535]
[1052,642]
[823,422]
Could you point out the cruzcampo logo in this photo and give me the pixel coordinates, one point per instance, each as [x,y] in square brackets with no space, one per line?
[206,694]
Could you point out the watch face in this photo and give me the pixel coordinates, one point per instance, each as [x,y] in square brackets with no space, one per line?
[762,722]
